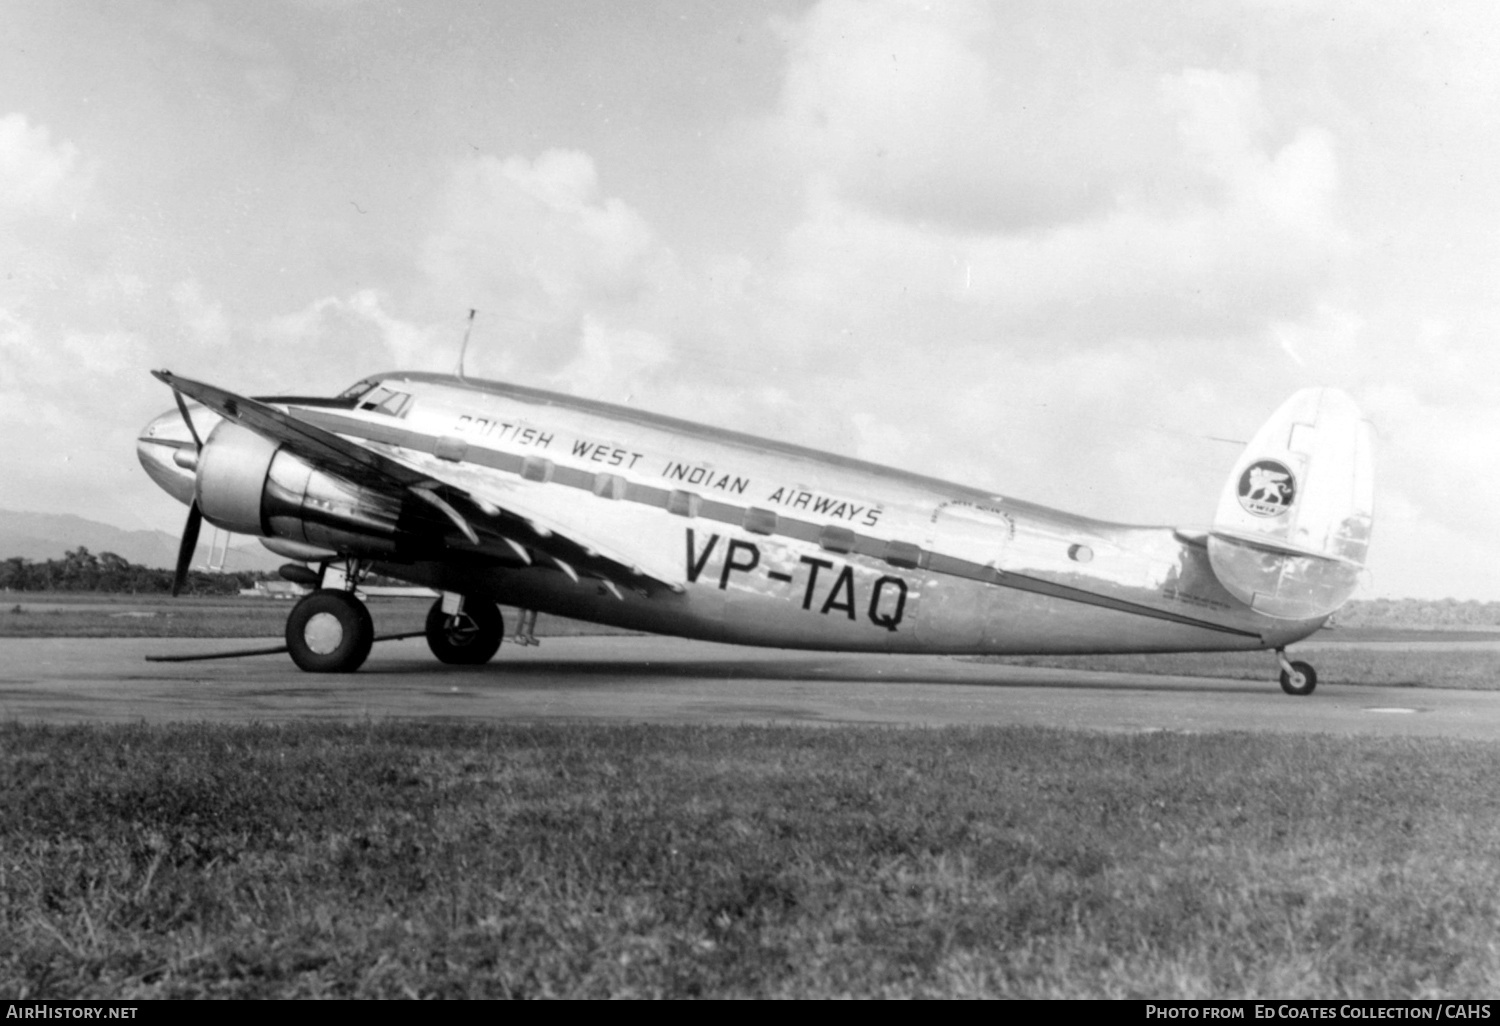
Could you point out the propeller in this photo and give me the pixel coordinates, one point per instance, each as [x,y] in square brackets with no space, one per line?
[188,420]
[189,544]
[195,515]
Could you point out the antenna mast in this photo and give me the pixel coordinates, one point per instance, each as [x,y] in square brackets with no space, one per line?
[464,349]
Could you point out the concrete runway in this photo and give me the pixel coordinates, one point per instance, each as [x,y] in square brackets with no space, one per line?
[666,680]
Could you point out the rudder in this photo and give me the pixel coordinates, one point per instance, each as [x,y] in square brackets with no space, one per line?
[1292,530]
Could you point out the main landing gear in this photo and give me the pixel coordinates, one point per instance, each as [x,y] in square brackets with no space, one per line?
[469,635]
[331,631]
[1296,678]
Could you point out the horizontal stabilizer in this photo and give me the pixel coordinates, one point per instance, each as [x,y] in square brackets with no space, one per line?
[1274,546]
[1292,529]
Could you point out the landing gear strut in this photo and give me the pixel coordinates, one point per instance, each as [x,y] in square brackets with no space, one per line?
[1296,678]
[329,631]
[468,637]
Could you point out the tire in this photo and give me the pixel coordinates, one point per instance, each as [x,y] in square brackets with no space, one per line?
[469,639]
[1309,680]
[329,632]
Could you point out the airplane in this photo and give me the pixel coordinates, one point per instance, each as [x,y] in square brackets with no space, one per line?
[493,493]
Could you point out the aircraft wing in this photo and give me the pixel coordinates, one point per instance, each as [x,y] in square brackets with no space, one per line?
[614,528]
[319,447]
[520,518]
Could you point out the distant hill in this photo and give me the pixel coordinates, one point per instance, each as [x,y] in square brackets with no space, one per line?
[40,536]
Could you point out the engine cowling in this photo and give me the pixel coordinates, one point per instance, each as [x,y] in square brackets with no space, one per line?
[249,484]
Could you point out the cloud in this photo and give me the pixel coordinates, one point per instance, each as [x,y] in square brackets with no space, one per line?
[952,180]
[989,118]
[939,112]
[535,245]
[611,364]
[71,417]
[320,348]
[201,26]
[271,85]
[1438,454]
[334,341]
[76,368]
[37,176]
[204,321]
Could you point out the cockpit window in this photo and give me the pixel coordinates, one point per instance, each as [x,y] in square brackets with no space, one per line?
[357,389]
[385,400]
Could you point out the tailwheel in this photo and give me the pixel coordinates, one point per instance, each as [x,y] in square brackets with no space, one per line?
[329,631]
[1297,678]
[469,637]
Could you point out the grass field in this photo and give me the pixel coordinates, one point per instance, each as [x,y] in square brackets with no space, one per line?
[454,861]
[388,860]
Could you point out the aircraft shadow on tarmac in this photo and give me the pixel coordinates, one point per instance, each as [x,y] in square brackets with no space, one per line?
[814,671]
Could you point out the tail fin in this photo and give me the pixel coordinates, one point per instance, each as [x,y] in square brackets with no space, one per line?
[1293,525]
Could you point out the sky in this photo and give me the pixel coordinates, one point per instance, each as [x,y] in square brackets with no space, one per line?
[1066,251]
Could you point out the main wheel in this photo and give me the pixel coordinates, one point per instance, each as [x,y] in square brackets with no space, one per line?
[329,631]
[469,638]
[1300,681]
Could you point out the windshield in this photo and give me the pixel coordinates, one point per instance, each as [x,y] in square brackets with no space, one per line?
[380,399]
[358,389]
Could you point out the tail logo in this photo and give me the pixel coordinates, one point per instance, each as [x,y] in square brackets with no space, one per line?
[1267,488]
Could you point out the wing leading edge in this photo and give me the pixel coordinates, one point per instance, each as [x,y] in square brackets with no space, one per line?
[530,533]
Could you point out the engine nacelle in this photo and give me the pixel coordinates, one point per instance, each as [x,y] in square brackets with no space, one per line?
[248,484]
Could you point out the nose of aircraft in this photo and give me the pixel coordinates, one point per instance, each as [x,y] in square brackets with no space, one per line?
[167,450]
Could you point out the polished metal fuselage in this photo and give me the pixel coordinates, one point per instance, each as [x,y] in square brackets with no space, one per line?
[773,544]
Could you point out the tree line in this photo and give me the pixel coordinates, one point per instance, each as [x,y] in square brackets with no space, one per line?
[1411,612]
[82,570]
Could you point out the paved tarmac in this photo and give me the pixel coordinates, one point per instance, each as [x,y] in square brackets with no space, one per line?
[667,680]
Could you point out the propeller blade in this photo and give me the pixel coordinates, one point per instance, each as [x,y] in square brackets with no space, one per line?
[185,550]
[192,430]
